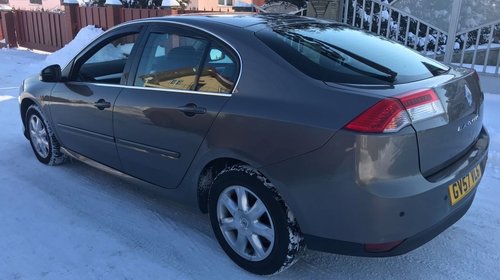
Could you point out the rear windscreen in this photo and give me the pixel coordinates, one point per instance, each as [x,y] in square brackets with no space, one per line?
[341,54]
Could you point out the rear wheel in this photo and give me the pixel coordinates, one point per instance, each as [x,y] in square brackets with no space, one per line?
[42,139]
[252,222]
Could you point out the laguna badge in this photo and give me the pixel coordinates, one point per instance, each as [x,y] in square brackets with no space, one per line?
[468,123]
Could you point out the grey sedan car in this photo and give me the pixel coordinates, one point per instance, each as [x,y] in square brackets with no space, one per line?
[288,131]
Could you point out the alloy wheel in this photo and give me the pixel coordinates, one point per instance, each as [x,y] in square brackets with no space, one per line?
[39,136]
[245,223]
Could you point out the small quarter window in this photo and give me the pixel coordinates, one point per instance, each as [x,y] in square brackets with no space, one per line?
[219,71]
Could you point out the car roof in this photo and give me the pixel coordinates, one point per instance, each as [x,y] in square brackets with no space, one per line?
[240,20]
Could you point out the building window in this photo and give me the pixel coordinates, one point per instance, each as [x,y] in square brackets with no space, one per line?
[4,1]
[36,2]
[226,2]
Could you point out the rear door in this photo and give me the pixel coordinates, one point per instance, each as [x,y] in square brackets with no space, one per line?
[82,107]
[181,82]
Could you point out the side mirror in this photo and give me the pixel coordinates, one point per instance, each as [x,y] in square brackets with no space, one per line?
[51,74]
[216,55]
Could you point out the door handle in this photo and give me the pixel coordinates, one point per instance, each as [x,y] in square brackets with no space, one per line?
[191,109]
[101,104]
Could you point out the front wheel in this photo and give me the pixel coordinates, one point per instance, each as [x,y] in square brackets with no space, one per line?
[252,223]
[42,139]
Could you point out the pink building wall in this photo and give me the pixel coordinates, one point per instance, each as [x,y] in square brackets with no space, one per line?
[26,5]
[208,5]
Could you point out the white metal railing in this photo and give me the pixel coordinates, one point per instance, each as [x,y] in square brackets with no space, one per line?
[478,48]
[388,21]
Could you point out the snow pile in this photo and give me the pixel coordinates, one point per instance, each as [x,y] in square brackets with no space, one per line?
[5,8]
[385,15]
[112,52]
[113,2]
[84,37]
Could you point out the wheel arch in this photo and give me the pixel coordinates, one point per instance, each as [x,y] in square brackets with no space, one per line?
[288,236]
[25,104]
[207,176]
[214,166]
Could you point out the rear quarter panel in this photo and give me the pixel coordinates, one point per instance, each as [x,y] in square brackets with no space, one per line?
[276,112]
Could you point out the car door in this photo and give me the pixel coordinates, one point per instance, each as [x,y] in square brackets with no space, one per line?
[173,97]
[82,106]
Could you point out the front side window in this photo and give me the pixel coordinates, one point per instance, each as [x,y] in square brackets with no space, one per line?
[106,65]
[170,61]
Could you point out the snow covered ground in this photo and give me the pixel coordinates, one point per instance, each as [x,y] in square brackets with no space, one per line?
[76,222]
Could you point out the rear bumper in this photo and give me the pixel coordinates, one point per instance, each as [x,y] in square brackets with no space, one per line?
[407,245]
[356,191]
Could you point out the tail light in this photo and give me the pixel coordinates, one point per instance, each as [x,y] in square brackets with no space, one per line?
[476,77]
[392,114]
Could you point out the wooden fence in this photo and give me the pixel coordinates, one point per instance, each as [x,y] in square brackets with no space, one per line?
[104,16]
[40,30]
[50,31]
[1,31]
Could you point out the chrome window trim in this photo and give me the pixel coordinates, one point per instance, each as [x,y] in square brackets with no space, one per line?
[200,29]
[154,89]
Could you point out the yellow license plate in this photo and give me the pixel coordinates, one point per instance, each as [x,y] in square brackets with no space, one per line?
[465,185]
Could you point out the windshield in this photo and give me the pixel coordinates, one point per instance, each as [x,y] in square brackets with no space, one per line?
[338,53]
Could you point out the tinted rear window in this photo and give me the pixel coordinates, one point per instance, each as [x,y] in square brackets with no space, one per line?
[341,54]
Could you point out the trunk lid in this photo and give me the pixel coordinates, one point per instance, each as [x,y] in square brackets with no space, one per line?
[444,139]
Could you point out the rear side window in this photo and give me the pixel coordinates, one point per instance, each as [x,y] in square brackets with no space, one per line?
[341,54]
[174,61]
[170,61]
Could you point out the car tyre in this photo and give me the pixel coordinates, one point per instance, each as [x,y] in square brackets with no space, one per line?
[42,139]
[252,223]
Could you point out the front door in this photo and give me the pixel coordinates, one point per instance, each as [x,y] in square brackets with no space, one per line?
[82,107]
[180,84]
